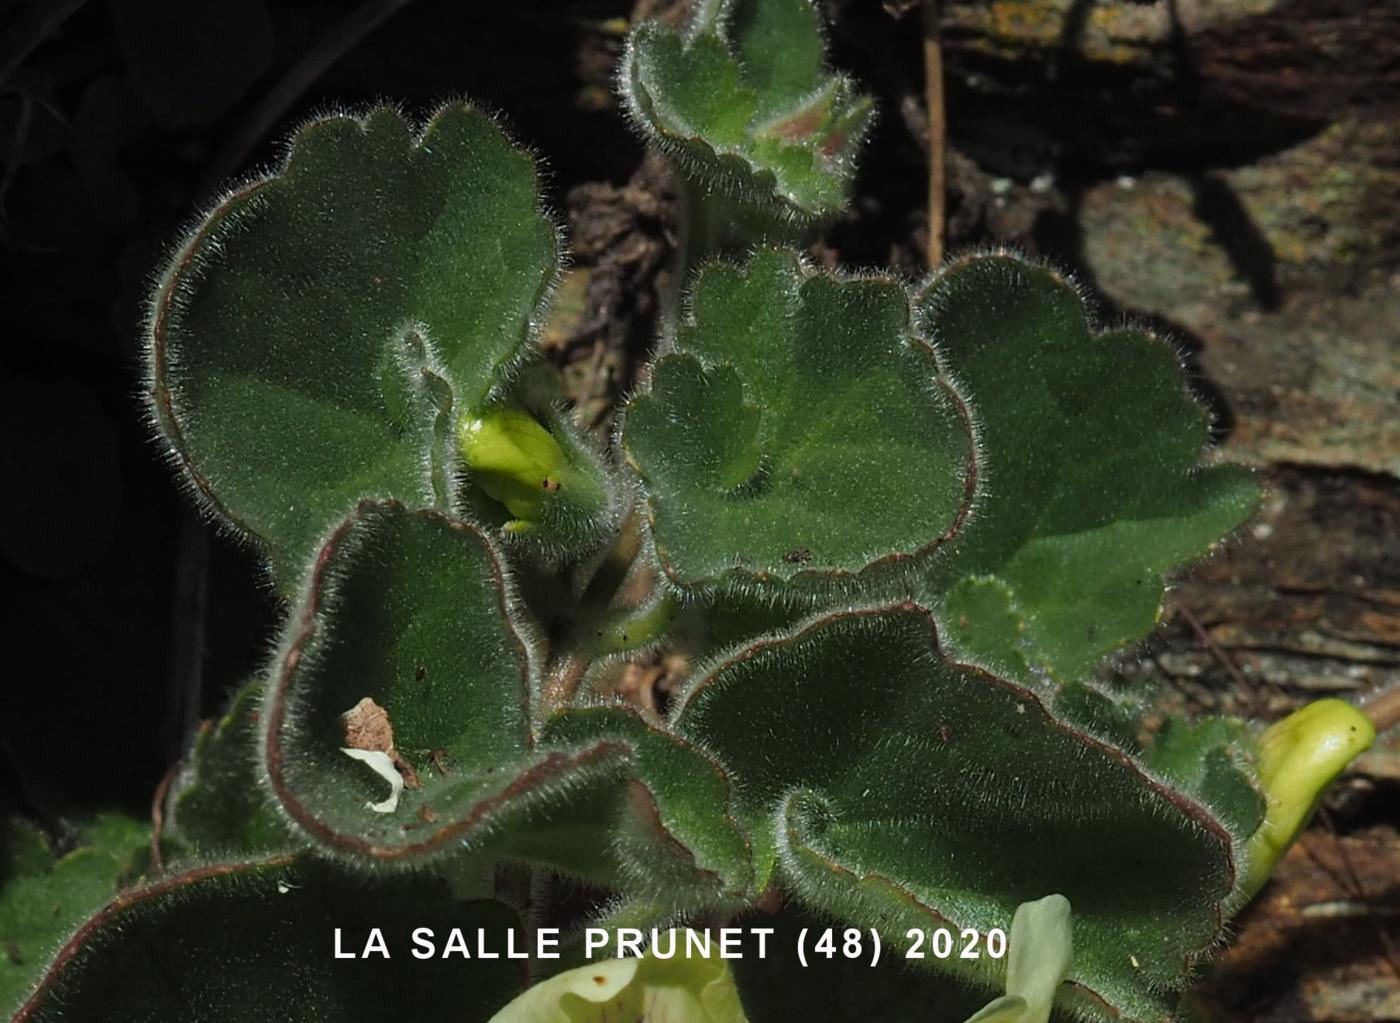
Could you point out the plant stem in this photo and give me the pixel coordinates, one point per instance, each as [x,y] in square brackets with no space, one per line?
[634,628]
[610,631]
[610,573]
[696,238]
[937,131]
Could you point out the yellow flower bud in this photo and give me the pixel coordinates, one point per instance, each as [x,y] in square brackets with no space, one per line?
[1298,758]
[513,459]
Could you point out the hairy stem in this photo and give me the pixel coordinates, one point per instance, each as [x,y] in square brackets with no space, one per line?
[633,628]
[697,236]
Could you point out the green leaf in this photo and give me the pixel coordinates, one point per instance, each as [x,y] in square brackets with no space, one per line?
[1210,758]
[314,332]
[985,625]
[800,432]
[780,50]
[778,989]
[217,809]
[1114,717]
[254,942]
[673,832]
[412,610]
[43,899]
[1091,452]
[745,105]
[894,788]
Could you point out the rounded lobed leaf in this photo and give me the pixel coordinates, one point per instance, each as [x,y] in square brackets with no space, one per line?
[896,788]
[404,645]
[746,106]
[1210,758]
[216,808]
[985,625]
[42,898]
[315,331]
[778,989]
[1091,450]
[799,431]
[677,841]
[254,941]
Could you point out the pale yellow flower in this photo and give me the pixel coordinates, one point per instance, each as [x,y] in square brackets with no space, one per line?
[1039,955]
[644,990]
[1298,758]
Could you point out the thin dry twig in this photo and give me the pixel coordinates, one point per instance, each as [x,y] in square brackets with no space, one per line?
[1384,710]
[1352,884]
[158,817]
[1242,684]
[937,131]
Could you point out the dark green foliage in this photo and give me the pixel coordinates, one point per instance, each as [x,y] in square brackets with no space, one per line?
[1211,760]
[1115,717]
[411,610]
[800,430]
[1090,447]
[674,835]
[946,796]
[895,530]
[252,942]
[217,807]
[312,333]
[42,898]
[778,989]
[745,105]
